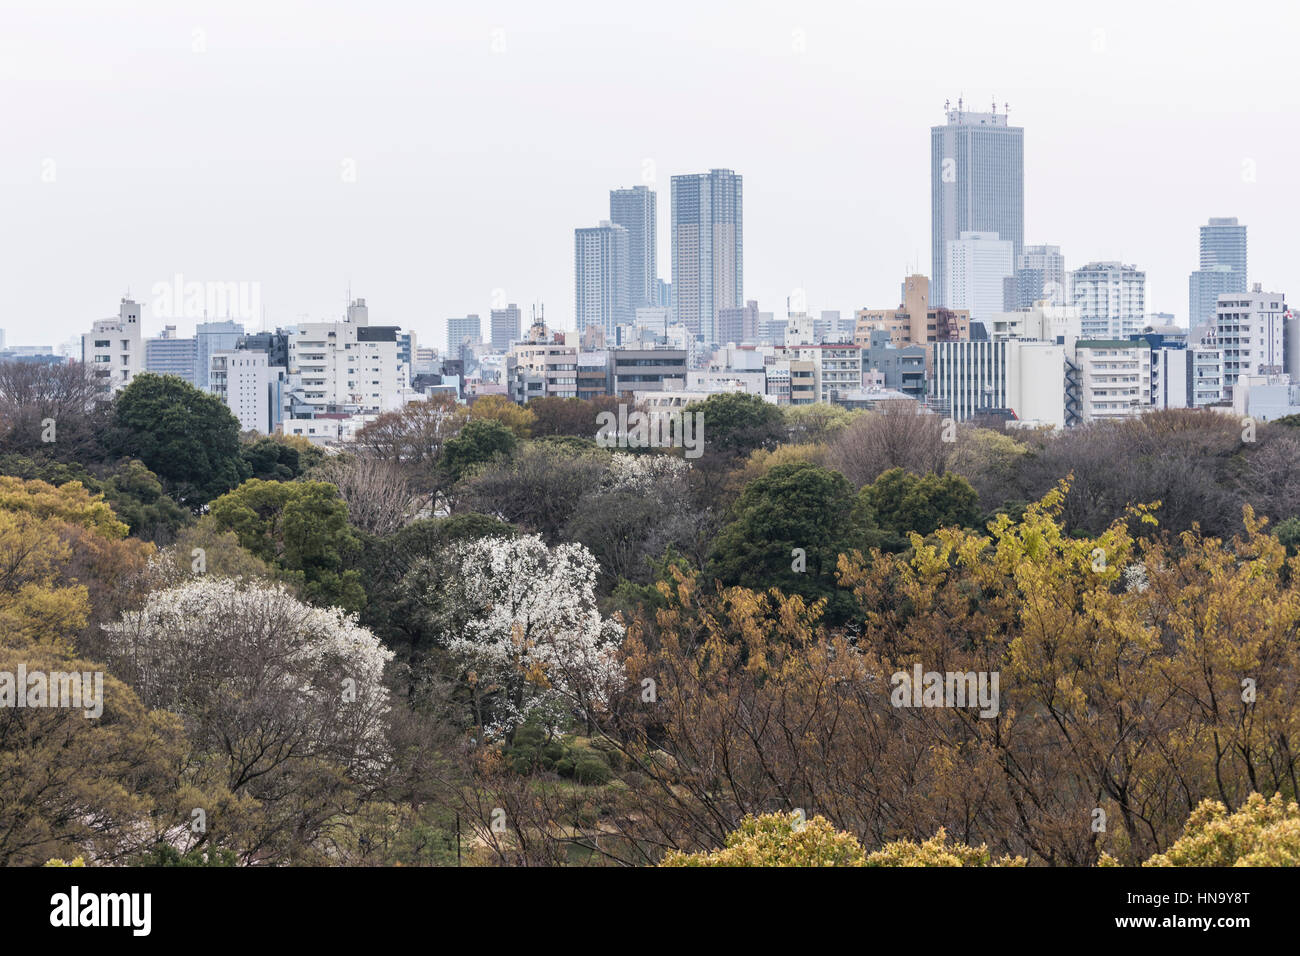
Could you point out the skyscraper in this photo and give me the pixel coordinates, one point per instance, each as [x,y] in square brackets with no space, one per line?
[708,249]
[1111,299]
[1222,269]
[635,210]
[462,331]
[600,271]
[977,184]
[505,327]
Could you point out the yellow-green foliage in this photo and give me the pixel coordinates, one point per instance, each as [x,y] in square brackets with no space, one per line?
[779,839]
[1262,833]
[937,851]
[75,861]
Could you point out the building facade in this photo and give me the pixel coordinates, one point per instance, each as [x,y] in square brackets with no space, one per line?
[708,249]
[977,184]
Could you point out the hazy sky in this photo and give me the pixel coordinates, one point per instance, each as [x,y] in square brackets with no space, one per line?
[217,140]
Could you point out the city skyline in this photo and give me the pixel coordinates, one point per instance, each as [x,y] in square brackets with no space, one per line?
[103,197]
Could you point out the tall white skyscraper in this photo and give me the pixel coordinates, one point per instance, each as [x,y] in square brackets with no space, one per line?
[1111,299]
[978,263]
[708,249]
[600,271]
[977,184]
[635,210]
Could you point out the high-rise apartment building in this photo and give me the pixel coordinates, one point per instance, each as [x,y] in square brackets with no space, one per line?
[977,184]
[1222,269]
[708,249]
[505,327]
[635,210]
[600,278]
[462,332]
[1111,299]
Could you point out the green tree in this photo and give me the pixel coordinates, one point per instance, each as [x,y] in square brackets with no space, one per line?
[900,502]
[735,424]
[302,529]
[480,441]
[787,530]
[187,437]
[274,458]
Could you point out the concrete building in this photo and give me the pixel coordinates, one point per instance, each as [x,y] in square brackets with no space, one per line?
[1250,328]
[708,249]
[648,370]
[347,364]
[893,367]
[914,321]
[1114,378]
[1025,380]
[247,384]
[506,325]
[113,348]
[462,332]
[212,337]
[169,354]
[978,265]
[634,210]
[600,270]
[1111,299]
[738,324]
[1266,398]
[977,184]
[1040,275]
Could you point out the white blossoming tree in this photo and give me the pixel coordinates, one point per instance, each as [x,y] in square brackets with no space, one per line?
[283,702]
[521,622]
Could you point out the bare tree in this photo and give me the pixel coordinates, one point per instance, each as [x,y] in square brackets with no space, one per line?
[377,490]
[899,434]
[51,408]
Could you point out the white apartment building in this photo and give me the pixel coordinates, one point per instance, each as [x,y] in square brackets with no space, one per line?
[244,380]
[1250,328]
[1111,299]
[348,363]
[1189,377]
[113,348]
[1114,378]
[836,367]
[978,262]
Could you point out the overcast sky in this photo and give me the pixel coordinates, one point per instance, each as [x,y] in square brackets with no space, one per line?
[425,154]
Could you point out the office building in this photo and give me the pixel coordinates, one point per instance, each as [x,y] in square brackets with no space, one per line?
[1111,299]
[977,184]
